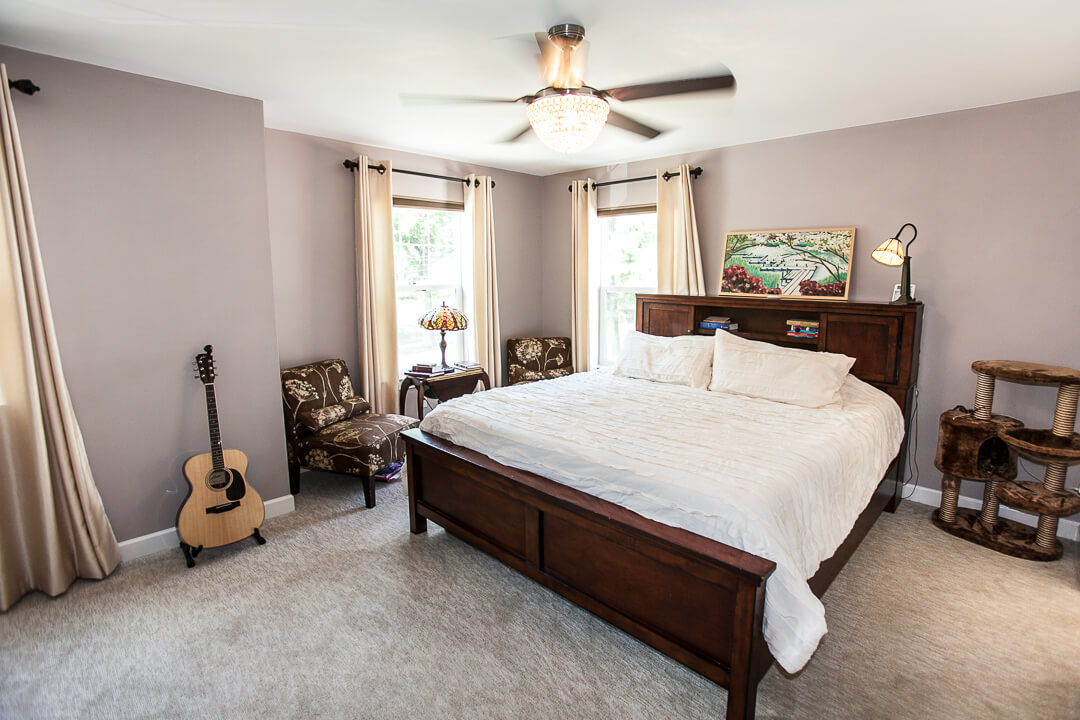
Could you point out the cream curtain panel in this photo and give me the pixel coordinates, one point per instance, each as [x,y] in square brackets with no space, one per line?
[677,246]
[480,213]
[373,216]
[583,221]
[53,527]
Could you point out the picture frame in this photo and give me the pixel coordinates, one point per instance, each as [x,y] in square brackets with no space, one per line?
[812,263]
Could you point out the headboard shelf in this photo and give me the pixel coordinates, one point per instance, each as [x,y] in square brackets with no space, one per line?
[777,338]
[882,337]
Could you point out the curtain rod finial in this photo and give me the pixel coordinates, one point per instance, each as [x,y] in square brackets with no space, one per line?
[24,86]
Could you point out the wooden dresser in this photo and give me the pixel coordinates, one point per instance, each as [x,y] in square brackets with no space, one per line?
[856,329]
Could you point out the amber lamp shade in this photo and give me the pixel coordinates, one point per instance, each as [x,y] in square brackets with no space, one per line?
[893,253]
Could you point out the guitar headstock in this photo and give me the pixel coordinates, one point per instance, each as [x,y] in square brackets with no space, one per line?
[204,361]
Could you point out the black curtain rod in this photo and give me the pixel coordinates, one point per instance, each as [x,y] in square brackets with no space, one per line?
[23,86]
[694,173]
[353,164]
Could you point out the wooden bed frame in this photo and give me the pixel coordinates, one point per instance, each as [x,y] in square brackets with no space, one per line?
[697,600]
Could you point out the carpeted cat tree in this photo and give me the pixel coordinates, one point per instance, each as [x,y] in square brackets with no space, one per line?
[978,445]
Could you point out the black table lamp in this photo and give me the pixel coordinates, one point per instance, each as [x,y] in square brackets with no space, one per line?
[892,252]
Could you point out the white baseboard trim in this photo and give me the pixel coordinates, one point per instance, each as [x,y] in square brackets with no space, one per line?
[279,506]
[1067,529]
[148,544]
[168,539]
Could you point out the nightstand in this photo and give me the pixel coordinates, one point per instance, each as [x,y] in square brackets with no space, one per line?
[441,387]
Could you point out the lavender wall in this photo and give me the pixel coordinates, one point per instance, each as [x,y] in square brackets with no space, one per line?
[993,192]
[311,233]
[150,200]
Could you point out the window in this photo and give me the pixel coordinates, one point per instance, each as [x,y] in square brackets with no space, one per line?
[429,264]
[627,266]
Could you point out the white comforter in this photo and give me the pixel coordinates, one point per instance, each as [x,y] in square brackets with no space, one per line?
[780,481]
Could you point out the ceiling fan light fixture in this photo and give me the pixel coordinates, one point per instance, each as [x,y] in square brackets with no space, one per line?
[568,120]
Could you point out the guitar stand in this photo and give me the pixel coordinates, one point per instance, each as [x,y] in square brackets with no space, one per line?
[190,553]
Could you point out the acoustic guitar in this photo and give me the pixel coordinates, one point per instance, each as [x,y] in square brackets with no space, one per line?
[221,507]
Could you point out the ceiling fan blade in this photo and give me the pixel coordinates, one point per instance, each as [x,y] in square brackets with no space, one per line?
[562,66]
[671,87]
[621,121]
[420,99]
[578,56]
[518,135]
[549,57]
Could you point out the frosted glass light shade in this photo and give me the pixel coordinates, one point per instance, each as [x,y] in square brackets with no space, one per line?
[890,252]
[568,122]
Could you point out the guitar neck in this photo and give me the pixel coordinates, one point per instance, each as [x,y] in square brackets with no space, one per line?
[215,430]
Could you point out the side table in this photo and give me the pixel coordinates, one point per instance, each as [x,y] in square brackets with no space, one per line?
[441,387]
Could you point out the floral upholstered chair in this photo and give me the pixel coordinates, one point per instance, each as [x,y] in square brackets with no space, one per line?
[327,427]
[530,359]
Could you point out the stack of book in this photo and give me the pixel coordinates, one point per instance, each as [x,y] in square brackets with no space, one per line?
[718,322]
[466,367]
[802,328]
[389,473]
[422,370]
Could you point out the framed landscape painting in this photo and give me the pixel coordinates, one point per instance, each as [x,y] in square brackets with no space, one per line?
[788,263]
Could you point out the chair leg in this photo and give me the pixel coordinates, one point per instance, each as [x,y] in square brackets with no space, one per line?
[369,491]
[294,479]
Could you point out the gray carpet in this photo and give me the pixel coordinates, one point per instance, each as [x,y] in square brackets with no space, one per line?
[343,613]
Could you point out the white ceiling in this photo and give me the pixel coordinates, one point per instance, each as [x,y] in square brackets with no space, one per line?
[337,68]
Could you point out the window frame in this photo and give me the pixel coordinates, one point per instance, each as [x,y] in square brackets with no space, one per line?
[459,291]
[601,292]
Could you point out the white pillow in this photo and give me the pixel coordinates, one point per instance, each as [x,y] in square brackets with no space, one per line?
[682,360]
[787,375]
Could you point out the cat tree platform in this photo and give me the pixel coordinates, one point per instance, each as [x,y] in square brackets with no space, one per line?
[978,445]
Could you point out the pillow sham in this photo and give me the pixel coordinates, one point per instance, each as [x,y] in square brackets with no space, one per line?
[682,360]
[319,418]
[788,375]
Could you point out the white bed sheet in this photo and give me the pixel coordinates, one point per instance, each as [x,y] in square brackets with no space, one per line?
[780,481]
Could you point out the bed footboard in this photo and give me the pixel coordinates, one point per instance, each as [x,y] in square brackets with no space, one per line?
[694,599]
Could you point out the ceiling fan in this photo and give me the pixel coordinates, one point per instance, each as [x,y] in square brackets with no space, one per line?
[568,115]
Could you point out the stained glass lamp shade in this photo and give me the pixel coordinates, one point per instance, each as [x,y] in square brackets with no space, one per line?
[444,319]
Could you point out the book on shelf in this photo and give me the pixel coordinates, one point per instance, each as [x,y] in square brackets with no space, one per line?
[425,367]
[712,325]
[463,365]
[804,323]
[718,318]
[802,334]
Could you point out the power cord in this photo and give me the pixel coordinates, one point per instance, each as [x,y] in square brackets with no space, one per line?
[914,452]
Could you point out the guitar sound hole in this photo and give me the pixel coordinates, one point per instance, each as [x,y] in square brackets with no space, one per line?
[217,479]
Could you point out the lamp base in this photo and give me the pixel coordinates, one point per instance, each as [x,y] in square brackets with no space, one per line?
[442,346]
[905,284]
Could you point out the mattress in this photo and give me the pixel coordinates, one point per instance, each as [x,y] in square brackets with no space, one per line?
[780,481]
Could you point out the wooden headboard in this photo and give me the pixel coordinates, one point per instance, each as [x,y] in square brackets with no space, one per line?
[883,338]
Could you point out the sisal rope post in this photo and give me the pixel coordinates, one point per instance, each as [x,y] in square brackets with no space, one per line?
[950,494]
[1064,420]
[984,395]
[984,402]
